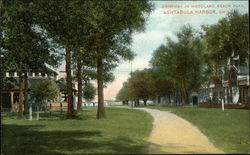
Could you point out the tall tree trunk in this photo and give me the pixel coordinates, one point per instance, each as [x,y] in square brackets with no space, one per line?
[79,80]
[145,102]
[184,92]
[159,99]
[134,103]
[100,111]
[26,104]
[71,113]
[216,69]
[208,92]
[138,102]
[175,97]
[21,97]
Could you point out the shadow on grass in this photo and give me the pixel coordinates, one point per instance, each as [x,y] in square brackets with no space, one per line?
[27,139]
[57,115]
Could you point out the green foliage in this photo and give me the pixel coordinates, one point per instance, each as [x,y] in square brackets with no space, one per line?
[44,90]
[22,45]
[89,92]
[124,93]
[141,84]
[181,61]
[144,85]
[226,38]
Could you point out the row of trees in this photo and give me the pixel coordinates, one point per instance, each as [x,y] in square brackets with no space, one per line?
[94,34]
[185,65]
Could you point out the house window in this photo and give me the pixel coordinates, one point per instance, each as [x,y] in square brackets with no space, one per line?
[43,74]
[30,74]
[36,73]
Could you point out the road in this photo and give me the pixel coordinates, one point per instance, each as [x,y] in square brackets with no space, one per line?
[172,134]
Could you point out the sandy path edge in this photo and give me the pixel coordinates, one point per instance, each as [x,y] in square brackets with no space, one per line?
[172,134]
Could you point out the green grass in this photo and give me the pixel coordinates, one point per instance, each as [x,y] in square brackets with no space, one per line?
[228,130]
[123,131]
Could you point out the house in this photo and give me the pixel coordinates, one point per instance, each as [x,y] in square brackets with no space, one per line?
[231,88]
[10,95]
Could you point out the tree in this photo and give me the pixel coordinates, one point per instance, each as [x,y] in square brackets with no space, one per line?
[162,86]
[124,94]
[181,61]
[23,46]
[113,23]
[144,84]
[89,92]
[227,38]
[44,91]
[85,71]
[105,28]
[64,22]
[141,84]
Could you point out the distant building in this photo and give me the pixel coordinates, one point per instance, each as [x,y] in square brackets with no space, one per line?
[10,95]
[232,88]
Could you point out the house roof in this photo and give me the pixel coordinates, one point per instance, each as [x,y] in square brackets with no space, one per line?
[242,70]
[33,81]
[45,68]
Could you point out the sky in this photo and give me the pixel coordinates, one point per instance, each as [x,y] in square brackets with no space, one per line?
[165,22]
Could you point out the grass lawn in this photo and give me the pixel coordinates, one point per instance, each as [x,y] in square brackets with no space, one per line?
[228,130]
[124,131]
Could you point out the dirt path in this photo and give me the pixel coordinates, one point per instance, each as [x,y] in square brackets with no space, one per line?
[172,134]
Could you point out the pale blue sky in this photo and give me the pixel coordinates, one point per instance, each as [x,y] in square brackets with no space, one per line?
[158,27]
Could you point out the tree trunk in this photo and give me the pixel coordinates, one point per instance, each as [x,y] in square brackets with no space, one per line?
[159,99]
[137,102]
[100,111]
[175,97]
[216,70]
[26,104]
[70,113]
[184,92]
[37,113]
[79,80]
[21,97]
[145,102]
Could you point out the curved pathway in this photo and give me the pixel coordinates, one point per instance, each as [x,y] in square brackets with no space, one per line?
[172,134]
